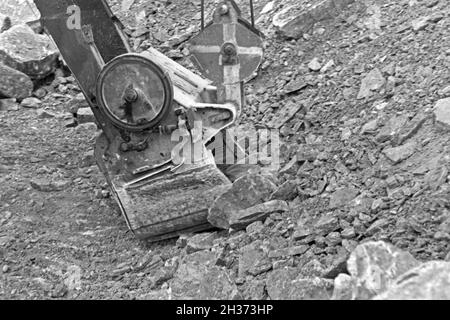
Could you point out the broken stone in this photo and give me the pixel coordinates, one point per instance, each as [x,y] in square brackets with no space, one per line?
[373,81]
[401,153]
[411,128]
[59,291]
[255,227]
[295,86]
[287,284]
[377,226]
[327,66]
[392,128]
[162,294]
[198,277]
[306,153]
[163,273]
[44,114]
[268,7]
[342,287]
[255,290]
[242,218]
[73,278]
[286,113]
[45,185]
[445,92]
[436,177]
[287,191]
[293,24]
[291,167]
[236,171]
[429,281]
[348,233]
[288,252]
[342,197]
[420,23]
[245,192]
[333,239]
[70,123]
[279,253]
[302,233]
[336,264]
[375,265]
[77,103]
[313,268]
[85,115]
[19,11]
[32,103]
[298,250]
[14,84]
[251,260]
[9,105]
[442,112]
[24,50]
[201,241]
[373,22]
[346,134]
[314,65]
[327,223]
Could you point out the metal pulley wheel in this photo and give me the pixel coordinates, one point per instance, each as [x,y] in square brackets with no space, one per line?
[134,92]
[228,51]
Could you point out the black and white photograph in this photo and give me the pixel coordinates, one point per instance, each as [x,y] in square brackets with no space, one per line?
[235,152]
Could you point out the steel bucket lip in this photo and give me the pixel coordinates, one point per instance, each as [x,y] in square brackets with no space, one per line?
[182,221]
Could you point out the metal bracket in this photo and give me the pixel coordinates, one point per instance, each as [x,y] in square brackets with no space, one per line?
[225,11]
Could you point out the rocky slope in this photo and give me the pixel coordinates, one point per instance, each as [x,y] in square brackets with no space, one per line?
[360,92]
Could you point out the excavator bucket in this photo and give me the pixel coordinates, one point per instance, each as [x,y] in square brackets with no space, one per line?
[156,116]
[144,106]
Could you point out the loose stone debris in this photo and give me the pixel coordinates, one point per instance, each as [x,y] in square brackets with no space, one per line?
[359,208]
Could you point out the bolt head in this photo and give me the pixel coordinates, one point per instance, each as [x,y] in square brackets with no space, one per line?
[131,95]
[229,49]
[124,147]
[224,9]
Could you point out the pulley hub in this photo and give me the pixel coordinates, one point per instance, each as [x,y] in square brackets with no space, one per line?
[134,92]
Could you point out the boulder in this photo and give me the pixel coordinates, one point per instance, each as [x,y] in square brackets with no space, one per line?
[429,281]
[24,50]
[374,266]
[245,192]
[14,84]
